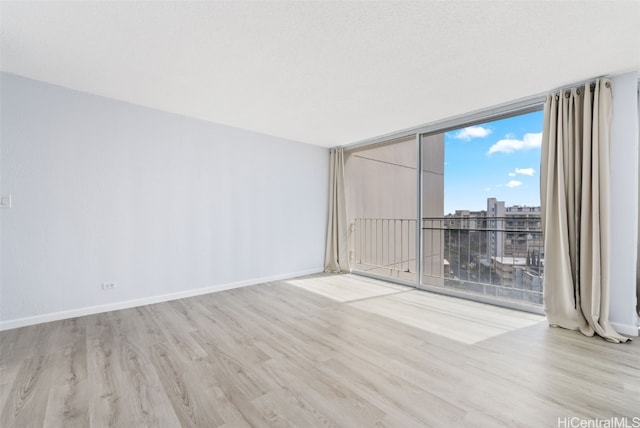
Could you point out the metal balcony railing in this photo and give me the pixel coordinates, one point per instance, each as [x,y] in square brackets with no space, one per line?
[382,243]
[494,256]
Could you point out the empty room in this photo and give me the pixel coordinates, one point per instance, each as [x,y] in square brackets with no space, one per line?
[319,213]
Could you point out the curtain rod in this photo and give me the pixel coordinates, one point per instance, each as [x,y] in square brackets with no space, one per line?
[592,83]
[578,86]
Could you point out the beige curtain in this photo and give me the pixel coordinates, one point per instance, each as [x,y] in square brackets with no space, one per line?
[575,209]
[337,254]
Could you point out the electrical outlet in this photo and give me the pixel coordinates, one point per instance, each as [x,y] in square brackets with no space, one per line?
[5,201]
[108,285]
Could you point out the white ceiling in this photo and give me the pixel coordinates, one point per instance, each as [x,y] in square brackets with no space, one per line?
[325,73]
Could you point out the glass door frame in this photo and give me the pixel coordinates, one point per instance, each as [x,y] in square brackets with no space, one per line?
[524,106]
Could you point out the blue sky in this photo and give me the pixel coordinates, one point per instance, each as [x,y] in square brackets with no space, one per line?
[498,159]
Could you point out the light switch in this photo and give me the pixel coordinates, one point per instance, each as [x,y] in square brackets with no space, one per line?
[5,201]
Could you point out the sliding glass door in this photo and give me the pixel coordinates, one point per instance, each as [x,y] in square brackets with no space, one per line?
[477,232]
[481,228]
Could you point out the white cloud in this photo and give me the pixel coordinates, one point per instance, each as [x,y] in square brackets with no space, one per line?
[525,171]
[512,174]
[487,189]
[510,145]
[472,132]
[514,183]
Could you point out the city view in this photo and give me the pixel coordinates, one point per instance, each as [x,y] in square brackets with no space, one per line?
[480,230]
[497,252]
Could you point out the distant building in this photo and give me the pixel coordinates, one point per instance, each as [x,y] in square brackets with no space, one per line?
[465,219]
[523,237]
[512,238]
[495,226]
[513,231]
[506,267]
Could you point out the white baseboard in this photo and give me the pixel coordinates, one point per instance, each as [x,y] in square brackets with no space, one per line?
[629,330]
[90,310]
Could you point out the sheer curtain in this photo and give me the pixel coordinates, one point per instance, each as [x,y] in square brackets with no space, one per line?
[575,208]
[337,254]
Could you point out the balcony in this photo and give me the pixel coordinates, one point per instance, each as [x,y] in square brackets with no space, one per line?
[489,256]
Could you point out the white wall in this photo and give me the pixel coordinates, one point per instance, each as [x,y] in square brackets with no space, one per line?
[163,205]
[624,202]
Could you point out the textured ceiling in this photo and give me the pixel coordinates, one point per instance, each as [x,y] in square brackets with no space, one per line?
[325,73]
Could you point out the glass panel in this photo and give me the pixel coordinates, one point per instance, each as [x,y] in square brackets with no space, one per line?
[481,209]
[381,192]
[433,257]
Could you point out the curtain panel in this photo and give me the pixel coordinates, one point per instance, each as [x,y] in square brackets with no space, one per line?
[575,208]
[337,253]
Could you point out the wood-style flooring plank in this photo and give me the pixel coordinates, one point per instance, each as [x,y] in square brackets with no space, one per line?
[67,404]
[27,398]
[189,393]
[282,354]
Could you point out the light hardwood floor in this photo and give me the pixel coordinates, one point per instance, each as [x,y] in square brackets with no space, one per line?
[454,318]
[278,355]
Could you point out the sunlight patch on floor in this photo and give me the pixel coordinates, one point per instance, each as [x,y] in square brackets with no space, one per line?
[347,287]
[457,319]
